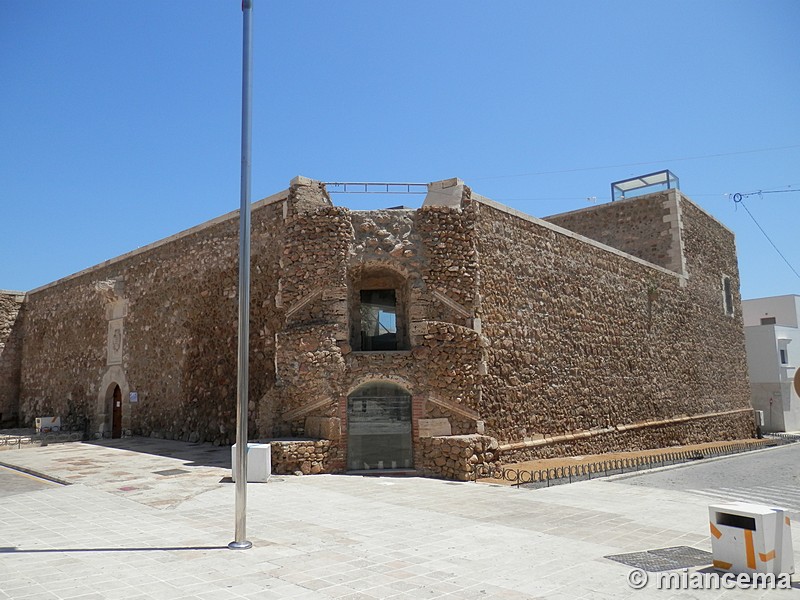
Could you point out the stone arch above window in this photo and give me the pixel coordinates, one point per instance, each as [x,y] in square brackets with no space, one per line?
[378,310]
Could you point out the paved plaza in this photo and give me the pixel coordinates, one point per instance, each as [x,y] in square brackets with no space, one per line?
[151,519]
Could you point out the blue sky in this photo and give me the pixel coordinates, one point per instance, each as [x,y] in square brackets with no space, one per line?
[120,120]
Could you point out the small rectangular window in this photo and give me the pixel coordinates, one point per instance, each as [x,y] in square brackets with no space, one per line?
[784,357]
[727,295]
[378,320]
[768,320]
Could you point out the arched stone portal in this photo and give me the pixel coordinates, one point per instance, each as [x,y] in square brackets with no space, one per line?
[112,420]
[379,428]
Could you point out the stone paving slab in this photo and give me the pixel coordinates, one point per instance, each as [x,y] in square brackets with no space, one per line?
[129,467]
[13,482]
[324,536]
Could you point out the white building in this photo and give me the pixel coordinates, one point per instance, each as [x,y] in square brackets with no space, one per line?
[772,337]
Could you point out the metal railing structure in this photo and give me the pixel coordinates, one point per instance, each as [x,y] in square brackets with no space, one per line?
[374,187]
[536,478]
[15,442]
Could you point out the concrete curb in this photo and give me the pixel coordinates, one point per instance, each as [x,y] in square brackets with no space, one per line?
[35,473]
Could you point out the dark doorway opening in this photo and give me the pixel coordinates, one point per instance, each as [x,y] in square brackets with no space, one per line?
[116,413]
[379,428]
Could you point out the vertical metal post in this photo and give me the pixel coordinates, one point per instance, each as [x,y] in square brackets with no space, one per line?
[242,380]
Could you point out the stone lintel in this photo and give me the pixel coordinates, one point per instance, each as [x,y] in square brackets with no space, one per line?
[434,427]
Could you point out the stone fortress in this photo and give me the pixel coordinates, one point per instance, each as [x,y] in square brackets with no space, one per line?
[429,340]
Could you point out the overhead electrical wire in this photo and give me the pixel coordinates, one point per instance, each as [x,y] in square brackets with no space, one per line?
[637,164]
[595,199]
[738,199]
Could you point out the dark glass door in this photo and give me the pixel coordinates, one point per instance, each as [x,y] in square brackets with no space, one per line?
[379,428]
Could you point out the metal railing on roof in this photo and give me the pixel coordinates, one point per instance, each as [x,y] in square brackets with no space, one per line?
[374,187]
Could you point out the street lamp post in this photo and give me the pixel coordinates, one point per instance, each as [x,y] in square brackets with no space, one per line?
[242,380]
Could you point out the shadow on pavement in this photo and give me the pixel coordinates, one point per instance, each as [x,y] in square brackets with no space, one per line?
[193,454]
[13,550]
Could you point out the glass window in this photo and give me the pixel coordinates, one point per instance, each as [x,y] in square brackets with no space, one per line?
[378,310]
[378,320]
[784,357]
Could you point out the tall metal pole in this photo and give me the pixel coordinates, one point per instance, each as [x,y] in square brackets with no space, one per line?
[242,381]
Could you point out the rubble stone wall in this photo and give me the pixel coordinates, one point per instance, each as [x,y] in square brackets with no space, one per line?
[512,329]
[582,337]
[714,355]
[451,252]
[456,456]
[175,307]
[329,253]
[11,322]
[63,353]
[638,226]
[307,457]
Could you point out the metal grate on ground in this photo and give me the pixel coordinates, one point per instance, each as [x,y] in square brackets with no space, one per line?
[664,559]
[168,472]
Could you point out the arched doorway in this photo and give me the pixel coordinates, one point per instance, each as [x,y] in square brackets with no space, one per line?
[379,428]
[111,396]
[116,413]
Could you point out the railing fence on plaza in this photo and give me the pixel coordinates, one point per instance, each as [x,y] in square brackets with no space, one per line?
[39,439]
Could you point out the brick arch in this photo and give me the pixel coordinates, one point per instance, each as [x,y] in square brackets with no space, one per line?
[375,378]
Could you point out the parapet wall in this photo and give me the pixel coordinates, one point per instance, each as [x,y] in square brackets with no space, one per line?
[647,227]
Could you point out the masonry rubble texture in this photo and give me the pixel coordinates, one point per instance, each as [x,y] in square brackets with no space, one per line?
[600,329]
[306,457]
[11,319]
